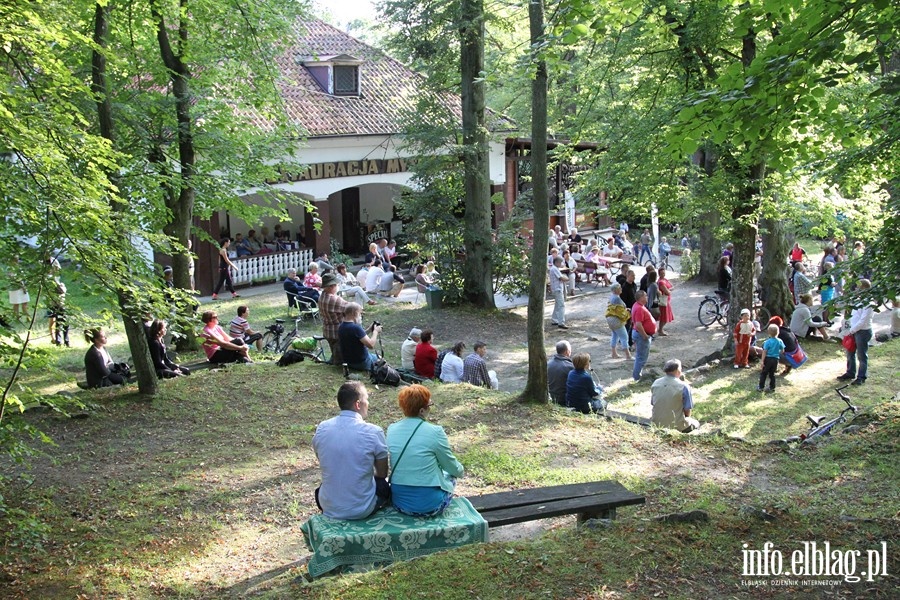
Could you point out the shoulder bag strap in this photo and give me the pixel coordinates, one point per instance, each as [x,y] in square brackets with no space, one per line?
[405,445]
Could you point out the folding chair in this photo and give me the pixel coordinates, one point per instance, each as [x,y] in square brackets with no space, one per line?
[420,291]
[307,308]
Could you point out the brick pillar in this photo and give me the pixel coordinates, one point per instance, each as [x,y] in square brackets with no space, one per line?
[323,237]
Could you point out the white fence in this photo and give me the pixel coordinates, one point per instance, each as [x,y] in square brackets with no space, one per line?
[270,267]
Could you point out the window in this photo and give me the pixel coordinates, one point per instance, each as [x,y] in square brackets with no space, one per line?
[346,80]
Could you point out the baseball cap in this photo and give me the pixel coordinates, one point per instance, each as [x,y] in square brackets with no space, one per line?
[745,311]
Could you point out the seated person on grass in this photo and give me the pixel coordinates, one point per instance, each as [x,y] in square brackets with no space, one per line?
[217,345]
[353,456]
[672,400]
[426,355]
[355,341]
[391,283]
[98,364]
[239,328]
[408,349]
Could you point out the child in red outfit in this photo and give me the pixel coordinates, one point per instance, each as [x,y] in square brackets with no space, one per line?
[743,333]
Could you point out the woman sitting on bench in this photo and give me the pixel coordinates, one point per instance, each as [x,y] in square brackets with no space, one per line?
[423,468]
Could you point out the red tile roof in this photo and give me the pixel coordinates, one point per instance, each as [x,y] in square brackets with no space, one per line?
[388,88]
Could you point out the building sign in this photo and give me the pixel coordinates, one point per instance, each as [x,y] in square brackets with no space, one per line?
[379,233]
[345,168]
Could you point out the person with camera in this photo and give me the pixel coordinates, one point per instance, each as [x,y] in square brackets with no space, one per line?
[355,342]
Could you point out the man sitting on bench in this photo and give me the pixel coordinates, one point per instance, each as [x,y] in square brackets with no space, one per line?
[672,401]
[353,455]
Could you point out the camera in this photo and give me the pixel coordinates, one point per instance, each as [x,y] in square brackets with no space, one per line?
[376,324]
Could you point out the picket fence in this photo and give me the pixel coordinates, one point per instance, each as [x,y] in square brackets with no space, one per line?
[270,267]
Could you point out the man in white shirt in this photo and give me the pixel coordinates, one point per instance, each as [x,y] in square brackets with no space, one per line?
[557,289]
[861,330]
[353,456]
[374,277]
[408,348]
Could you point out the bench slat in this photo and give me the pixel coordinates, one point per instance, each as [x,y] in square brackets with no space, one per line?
[595,505]
[544,494]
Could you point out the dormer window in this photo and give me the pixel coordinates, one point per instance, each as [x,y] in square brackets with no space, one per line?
[346,80]
[337,74]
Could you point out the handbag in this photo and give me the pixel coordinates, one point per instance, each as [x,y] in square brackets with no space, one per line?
[663,299]
[849,342]
[796,358]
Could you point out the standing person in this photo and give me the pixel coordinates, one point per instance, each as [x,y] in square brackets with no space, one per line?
[672,400]
[581,393]
[743,335]
[224,273]
[18,295]
[557,288]
[353,456]
[426,355]
[666,314]
[653,296]
[802,283]
[331,307]
[646,246]
[216,344]
[451,365]
[569,268]
[98,364]
[423,467]
[475,369]
[617,315]
[787,338]
[165,368]
[629,296]
[773,348]
[861,330]
[191,265]
[240,329]
[645,280]
[723,275]
[558,368]
[56,312]
[797,253]
[355,341]
[826,291]
[642,334]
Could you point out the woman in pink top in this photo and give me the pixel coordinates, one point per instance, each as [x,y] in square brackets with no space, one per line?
[666,315]
[218,346]
[313,279]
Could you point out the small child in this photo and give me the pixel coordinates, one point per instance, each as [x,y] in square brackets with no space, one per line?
[772,348]
[743,335]
[895,317]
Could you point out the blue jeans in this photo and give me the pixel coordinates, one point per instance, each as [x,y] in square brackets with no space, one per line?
[648,249]
[559,306]
[619,336]
[862,337]
[641,353]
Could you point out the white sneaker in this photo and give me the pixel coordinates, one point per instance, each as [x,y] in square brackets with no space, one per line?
[737,366]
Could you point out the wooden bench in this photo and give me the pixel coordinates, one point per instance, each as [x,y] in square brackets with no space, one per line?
[597,499]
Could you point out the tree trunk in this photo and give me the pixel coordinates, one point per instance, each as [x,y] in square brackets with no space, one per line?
[477,269]
[710,246]
[536,386]
[131,317]
[776,295]
[181,204]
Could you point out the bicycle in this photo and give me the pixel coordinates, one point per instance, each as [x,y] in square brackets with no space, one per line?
[714,308]
[271,339]
[819,429]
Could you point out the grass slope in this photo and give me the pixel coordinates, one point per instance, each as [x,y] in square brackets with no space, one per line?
[201,492]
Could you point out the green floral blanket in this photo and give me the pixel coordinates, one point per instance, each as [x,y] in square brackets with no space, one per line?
[389,536]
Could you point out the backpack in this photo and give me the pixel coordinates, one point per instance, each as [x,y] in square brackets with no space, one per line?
[384,373]
[290,357]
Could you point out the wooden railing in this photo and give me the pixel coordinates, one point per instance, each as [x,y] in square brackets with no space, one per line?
[270,266]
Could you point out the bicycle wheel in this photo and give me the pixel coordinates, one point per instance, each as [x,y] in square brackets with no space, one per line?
[722,317]
[708,312]
[286,342]
[650,263]
[270,342]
